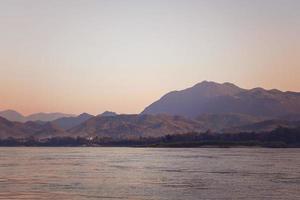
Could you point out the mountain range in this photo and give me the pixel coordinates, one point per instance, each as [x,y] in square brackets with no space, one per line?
[28,129]
[43,129]
[70,122]
[18,117]
[223,108]
[215,98]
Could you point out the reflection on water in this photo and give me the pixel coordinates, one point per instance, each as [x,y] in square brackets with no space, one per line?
[138,173]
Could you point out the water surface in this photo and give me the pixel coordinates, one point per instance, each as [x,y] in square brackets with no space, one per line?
[149,173]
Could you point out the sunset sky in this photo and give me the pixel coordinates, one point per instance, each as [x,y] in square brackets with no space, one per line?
[77,56]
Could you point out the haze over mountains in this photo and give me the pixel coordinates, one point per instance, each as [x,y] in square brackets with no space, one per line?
[18,117]
[205,106]
[28,129]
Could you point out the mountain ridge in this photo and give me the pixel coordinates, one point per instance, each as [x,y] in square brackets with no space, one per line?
[216,98]
[69,122]
[28,129]
[13,115]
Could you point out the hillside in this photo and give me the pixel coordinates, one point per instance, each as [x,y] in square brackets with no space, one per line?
[214,98]
[70,122]
[132,126]
[28,129]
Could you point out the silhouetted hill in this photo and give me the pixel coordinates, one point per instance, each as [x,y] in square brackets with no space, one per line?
[70,122]
[215,98]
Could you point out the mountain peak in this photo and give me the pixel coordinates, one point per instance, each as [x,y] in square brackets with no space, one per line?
[108,114]
[210,89]
[10,110]
[206,83]
[12,115]
[85,115]
[228,84]
[258,89]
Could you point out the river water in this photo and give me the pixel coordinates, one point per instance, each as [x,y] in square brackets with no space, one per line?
[149,173]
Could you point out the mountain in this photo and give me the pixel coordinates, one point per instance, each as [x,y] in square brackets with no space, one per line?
[27,129]
[46,116]
[108,114]
[12,115]
[205,106]
[215,98]
[70,122]
[134,126]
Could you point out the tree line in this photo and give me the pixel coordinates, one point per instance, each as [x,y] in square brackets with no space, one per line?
[280,137]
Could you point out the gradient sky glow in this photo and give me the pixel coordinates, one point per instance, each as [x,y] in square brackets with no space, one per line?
[79,56]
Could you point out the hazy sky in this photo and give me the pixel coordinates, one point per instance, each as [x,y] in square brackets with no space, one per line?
[94,55]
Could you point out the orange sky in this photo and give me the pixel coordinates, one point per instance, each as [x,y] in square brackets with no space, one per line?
[91,56]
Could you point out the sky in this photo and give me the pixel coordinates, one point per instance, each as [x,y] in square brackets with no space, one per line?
[77,56]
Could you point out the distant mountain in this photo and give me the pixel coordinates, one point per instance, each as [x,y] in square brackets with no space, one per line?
[108,114]
[15,116]
[133,126]
[70,122]
[46,116]
[12,115]
[27,129]
[215,98]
